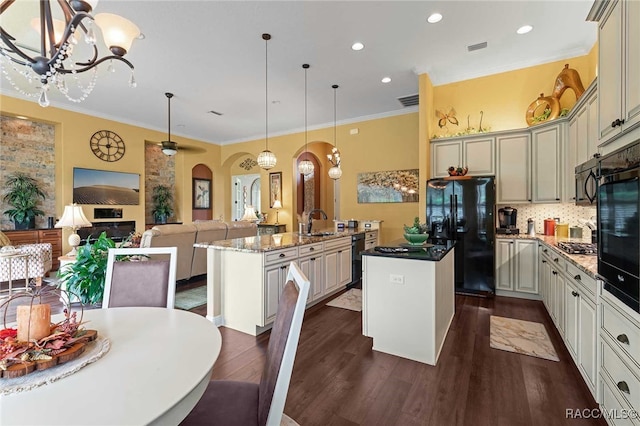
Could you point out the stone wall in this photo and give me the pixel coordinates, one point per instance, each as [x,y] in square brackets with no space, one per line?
[29,147]
[159,169]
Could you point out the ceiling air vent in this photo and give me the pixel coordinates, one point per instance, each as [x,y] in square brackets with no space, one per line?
[477,46]
[214,112]
[409,100]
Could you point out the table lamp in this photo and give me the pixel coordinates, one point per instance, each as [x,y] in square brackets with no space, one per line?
[250,214]
[277,205]
[73,217]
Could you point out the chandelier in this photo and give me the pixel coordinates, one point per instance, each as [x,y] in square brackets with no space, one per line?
[266,159]
[305,166]
[335,172]
[58,39]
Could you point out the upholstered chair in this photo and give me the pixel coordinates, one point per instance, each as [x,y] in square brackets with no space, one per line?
[39,261]
[234,403]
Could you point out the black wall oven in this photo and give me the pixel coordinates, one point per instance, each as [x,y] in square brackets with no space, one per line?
[619,224]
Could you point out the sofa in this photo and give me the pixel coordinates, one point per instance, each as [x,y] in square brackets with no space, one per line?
[193,261]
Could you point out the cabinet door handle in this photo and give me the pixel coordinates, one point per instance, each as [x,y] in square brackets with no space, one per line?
[554,272]
[624,387]
[545,250]
[557,199]
[283,267]
[575,294]
[282,255]
[339,251]
[544,261]
[577,277]
[311,249]
[555,260]
[622,338]
[313,259]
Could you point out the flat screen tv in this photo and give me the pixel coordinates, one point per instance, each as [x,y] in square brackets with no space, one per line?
[104,187]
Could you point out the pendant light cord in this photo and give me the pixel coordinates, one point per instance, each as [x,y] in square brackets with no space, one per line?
[335,114]
[266,95]
[306,67]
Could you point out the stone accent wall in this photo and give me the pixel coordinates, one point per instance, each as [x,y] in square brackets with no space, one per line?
[29,147]
[159,169]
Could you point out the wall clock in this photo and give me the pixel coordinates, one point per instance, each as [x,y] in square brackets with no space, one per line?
[107,145]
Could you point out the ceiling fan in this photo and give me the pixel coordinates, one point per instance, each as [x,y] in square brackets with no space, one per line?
[170,147]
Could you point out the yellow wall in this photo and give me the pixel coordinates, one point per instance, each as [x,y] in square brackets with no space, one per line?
[73,131]
[505,97]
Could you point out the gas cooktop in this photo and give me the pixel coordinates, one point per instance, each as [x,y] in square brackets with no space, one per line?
[578,248]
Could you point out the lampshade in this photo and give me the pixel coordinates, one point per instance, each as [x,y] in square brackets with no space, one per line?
[118,32]
[276,205]
[169,148]
[305,167]
[73,217]
[335,172]
[267,159]
[249,214]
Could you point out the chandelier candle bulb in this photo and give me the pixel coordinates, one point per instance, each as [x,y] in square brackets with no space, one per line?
[34,322]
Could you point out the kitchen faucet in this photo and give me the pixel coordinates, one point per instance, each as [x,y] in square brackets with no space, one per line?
[310,224]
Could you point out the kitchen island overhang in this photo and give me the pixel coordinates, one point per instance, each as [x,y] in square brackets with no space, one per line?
[408,300]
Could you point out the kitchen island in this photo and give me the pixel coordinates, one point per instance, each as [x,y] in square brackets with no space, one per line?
[408,299]
[245,276]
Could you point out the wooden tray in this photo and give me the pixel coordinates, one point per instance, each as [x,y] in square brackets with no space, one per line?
[24,368]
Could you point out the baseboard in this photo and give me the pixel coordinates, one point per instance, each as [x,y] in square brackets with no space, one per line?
[518,295]
[218,320]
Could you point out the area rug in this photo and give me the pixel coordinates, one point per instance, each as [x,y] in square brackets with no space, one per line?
[351,300]
[191,298]
[523,337]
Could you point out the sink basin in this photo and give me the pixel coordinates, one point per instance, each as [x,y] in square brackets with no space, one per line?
[320,234]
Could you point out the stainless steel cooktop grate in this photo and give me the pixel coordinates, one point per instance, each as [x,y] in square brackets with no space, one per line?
[578,248]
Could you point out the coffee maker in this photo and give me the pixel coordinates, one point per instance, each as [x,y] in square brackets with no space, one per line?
[507,217]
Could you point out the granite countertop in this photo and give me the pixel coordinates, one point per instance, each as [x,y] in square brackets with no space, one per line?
[431,252]
[262,243]
[588,263]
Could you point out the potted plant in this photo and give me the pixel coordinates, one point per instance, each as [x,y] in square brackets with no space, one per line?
[85,277]
[417,233]
[162,203]
[23,193]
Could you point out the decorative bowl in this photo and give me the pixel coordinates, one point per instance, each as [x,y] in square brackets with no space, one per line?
[416,239]
[457,171]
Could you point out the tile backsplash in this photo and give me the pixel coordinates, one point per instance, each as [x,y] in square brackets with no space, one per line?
[568,213]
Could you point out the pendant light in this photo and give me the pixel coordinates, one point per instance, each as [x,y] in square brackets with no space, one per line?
[335,172]
[266,159]
[305,166]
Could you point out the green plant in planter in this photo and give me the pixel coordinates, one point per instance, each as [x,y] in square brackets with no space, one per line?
[85,277]
[162,198]
[23,193]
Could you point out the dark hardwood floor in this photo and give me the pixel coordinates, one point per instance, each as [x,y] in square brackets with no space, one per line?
[339,380]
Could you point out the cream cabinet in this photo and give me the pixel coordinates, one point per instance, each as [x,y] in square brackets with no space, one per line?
[513,168]
[546,144]
[582,138]
[517,265]
[312,265]
[618,68]
[337,264]
[476,153]
[274,279]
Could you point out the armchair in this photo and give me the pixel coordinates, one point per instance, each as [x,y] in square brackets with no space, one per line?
[39,263]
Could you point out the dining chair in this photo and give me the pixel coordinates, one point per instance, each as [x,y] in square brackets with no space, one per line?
[235,403]
[140,280]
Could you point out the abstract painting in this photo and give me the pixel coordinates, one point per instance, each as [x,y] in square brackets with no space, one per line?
[393,186]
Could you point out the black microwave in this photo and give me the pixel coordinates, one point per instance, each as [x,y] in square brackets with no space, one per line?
[619,225]
[587,182]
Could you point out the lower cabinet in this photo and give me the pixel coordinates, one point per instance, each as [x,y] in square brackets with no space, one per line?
[312,267]
[275,277]
[337,264]
[517,265]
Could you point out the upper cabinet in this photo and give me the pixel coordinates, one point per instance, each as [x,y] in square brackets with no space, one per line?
[476,153]
[513,177]
[618,68]
[546,163]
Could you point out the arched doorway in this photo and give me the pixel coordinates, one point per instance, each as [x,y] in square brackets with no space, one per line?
[308,187]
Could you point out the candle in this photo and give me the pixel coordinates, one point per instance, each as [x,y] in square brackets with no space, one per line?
[34,322]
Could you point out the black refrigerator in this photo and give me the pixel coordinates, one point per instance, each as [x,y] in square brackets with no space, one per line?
[462,210]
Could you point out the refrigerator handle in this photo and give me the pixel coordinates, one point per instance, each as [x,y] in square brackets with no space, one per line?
[455,216]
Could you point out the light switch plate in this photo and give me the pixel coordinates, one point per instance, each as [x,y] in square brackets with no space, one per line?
[396,279]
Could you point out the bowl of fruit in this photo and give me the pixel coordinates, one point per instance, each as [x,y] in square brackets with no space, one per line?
[417,233]
[457,171]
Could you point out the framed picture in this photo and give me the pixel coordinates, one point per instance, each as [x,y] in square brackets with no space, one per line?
[275,187]
[201,193]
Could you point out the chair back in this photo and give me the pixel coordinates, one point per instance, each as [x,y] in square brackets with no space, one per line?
[283,344]
[143,282]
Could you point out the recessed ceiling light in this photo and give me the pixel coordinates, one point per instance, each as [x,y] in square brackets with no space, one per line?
[22,117]
[357,46]
[434,17]
[524,29]
[386,80]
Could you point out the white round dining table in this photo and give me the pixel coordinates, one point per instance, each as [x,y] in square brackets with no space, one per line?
[156,370]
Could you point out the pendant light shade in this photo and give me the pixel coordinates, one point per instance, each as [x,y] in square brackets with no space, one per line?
[335,172]
[266,159]
[305,166]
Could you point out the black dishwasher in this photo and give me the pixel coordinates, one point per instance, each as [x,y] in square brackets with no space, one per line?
[357,246]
